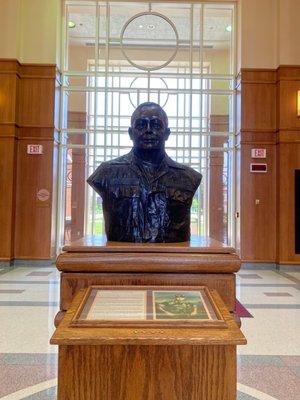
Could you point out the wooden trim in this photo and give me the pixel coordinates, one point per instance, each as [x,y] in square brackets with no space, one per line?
[288,136]
[29,70]
[8,130]
[288,73]
[258,76]
[37,138]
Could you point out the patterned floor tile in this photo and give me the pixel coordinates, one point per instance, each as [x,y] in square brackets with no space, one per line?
[11,291]
[291,361]
[16,377]
[279,382]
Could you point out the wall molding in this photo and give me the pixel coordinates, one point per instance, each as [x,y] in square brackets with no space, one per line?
[29,70]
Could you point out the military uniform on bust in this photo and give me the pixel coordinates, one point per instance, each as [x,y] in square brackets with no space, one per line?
[140,206]
[146,195]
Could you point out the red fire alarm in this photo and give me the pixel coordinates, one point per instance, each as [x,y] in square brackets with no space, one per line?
[258,167]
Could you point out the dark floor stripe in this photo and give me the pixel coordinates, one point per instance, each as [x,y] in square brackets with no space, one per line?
[289,277]
[29,304]
[273,306]
[289,285]
[49,282]
[28,358]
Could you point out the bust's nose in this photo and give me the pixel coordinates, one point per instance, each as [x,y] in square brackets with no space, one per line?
[148,128]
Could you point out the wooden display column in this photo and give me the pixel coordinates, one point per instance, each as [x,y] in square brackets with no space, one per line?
[94,261]
[147,363]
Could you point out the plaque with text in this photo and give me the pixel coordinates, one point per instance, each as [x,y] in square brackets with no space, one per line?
[136,306]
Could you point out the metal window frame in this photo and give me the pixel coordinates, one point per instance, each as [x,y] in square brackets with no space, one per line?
[115,73]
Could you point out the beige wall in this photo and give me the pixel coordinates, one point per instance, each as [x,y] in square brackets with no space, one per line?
[29,30]
[269,33]
[9,28]
[289,32]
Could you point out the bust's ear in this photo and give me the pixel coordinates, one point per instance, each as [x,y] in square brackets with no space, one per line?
[167,133]
[130,132]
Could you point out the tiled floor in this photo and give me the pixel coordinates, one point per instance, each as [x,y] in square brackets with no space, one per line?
[268,367]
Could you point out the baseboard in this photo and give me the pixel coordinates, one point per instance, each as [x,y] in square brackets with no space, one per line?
[289,267]
[257,265]
[27,263]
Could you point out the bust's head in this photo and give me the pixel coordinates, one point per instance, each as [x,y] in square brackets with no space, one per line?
[149,127]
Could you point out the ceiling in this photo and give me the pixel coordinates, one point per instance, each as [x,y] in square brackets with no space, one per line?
[152,30]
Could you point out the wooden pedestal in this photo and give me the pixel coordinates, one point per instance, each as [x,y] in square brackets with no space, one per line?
[94,261]
[147,363]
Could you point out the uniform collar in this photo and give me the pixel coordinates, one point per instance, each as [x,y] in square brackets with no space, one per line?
[130,158]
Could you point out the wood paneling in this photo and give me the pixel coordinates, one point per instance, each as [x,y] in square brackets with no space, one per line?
[8,93]
[258,221]
[258,107]
[27,94]
[287,100]
[7,196]
[148,363]
[8,146]
[139,262]
[147,372]
[36,102]
[258,190]
[269,121]
[33,217]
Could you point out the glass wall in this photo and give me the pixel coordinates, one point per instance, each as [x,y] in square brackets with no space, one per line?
[120,54]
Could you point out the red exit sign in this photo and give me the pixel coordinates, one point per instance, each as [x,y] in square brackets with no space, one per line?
[258,153]
[34,149]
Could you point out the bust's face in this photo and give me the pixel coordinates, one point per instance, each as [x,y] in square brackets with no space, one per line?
[149,128]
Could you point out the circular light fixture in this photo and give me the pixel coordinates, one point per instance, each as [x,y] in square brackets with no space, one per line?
[141,26]
[71,24]
[228,28]
[151,26]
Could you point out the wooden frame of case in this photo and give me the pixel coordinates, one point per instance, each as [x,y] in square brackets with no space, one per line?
[208,301]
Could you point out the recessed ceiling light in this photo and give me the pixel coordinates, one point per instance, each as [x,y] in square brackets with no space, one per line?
[141,26]
[228,28]
[71,24]
[151,27]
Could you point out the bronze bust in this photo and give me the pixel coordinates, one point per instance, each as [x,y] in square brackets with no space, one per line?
[146,195]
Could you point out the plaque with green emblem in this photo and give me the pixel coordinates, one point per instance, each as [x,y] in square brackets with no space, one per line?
[141,306]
